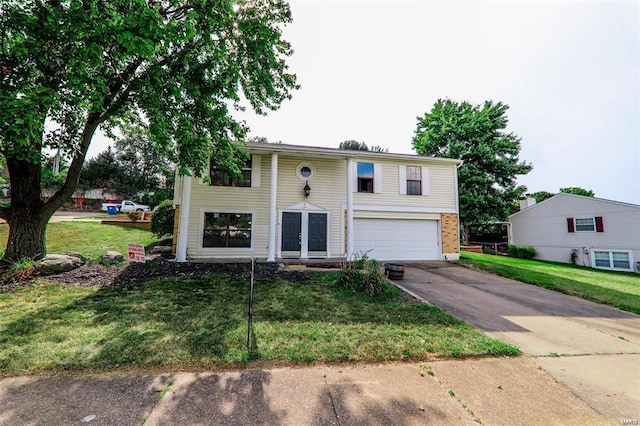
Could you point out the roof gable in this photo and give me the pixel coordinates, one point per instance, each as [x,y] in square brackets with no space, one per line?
[561,195]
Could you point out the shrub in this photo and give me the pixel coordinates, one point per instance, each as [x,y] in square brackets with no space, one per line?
[162,219]
[522,252]
[362,275]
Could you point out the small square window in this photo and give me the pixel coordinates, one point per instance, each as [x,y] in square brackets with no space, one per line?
[365,177]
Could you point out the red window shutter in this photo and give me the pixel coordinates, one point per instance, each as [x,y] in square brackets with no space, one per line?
[570,226]
[599,224]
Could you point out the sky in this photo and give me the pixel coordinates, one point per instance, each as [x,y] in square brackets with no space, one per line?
[569,71]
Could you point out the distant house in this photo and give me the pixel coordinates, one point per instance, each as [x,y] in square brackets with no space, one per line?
[600,233]
[301,202]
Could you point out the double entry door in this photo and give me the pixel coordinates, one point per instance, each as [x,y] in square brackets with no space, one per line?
[304,234]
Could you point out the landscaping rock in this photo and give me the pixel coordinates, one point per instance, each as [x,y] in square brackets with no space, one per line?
[161,250]
[60,262]
[111,256]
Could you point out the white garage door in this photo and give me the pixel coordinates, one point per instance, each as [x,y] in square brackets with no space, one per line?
[397,239]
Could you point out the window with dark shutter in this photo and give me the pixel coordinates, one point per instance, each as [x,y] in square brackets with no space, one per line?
[570,225]
[599,224]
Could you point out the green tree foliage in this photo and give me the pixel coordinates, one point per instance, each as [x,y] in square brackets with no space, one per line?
[353,145]
[541,196]
[175,67]
[162,219]
[50,179]
[576,190]
[475,134]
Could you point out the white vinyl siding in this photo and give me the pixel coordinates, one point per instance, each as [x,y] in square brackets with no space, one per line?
[544,226]
[254,200]
[328,191]
[438,187]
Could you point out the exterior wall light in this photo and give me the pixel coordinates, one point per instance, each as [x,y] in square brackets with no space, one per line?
[307,190]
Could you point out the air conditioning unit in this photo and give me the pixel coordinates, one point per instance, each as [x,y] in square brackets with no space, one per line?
[638,266]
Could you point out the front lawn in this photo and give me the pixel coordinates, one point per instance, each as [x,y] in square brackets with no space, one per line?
[200,322]
[617,289]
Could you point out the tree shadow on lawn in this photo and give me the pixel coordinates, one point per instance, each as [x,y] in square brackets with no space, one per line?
[196,321]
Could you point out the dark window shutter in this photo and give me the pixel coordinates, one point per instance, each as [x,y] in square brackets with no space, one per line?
[570,226]
[599,224]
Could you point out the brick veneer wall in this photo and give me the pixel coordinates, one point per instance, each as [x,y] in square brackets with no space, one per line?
[450,235]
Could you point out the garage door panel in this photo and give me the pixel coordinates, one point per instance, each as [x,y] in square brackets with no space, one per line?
[401,239]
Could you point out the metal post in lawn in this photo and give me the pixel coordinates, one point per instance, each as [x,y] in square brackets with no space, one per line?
[250,319]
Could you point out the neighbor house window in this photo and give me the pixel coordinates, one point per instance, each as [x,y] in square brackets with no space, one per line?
[221,178]
[365,177]
[585,224]
[612,259]
[231,230]
[414,180]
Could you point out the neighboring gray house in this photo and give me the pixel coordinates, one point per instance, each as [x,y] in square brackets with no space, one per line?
[601,233]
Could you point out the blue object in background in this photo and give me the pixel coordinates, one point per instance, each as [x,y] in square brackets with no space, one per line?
[112,209]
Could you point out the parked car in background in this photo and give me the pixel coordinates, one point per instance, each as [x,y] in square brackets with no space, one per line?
[125,207]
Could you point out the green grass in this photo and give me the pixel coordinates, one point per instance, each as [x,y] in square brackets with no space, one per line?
[200,323]
[89,238]
[617,289]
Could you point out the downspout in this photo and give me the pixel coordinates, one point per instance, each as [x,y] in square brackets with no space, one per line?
[183,226]
[271,247]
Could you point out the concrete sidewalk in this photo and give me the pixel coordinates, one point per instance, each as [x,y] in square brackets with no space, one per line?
[488,391]
[594,350]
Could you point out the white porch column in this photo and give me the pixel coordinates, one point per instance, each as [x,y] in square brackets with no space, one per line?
[271,245]
[349,208]
[183,225]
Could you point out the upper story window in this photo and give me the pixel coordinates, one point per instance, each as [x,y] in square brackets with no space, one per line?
[414,180]
[585,224]
[365,177]
[220,178]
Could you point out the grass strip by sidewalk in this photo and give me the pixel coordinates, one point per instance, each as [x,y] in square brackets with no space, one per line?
[89,238]
[618,289]
[200,323]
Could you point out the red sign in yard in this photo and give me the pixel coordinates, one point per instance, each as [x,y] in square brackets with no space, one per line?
[136,252]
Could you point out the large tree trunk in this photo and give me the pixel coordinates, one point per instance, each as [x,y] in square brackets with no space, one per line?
[28,216]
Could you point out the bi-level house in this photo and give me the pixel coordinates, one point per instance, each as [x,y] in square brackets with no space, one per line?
[300,202]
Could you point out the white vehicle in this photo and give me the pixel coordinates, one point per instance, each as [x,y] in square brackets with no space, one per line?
[125,207]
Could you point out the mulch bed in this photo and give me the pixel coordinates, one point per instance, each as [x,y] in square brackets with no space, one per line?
[98,275]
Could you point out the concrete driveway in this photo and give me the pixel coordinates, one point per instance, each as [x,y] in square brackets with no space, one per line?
[592,349]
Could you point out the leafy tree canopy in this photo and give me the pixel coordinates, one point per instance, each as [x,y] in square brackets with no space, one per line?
[540,196]
[354,145]
[475,134]
[174,67]
[543,195]
[576,190]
